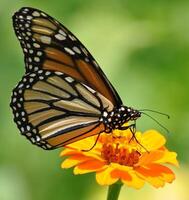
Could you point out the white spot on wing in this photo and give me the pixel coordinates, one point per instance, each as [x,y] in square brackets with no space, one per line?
[36,45]
[31,80]
[76,49]
[47,73]
[62,32]
[59,73]
[28,134]
[28,45]
[84,51]
[36,59]
[45,39]
[14,100]
[36,14]
[86,59]
[28,33]
[95,63]
[43,14]
[39,53]
[69,79]
[72,38]
[69,51]
[60,37]
[30,66]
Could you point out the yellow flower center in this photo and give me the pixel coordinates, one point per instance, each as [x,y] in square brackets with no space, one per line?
[120,153]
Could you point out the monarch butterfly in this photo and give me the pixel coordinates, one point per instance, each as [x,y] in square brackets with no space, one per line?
[64,95]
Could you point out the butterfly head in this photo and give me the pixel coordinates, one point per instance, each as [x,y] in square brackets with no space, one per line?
[132,114]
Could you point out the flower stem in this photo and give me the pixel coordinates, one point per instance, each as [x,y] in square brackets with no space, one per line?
[113,191]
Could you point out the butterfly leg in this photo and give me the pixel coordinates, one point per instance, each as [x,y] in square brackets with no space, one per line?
[132,128]
[86,150]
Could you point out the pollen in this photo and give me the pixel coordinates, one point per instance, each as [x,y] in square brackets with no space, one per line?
[120,153]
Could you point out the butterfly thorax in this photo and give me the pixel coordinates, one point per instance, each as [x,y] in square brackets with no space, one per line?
[117,117]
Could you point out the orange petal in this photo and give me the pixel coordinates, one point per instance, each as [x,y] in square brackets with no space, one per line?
[159,156]
[153,170]
[79,157]
[156,174]
[150,157]
[74,160]
[127,175]
[69,152]
[103,177]
[152,140]
[91,154]
[120,174]
[92,165]
[89,166]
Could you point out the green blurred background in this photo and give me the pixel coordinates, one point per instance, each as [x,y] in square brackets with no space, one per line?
[143,47]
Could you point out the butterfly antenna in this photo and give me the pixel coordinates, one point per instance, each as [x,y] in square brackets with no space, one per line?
[157,122]
[154,111]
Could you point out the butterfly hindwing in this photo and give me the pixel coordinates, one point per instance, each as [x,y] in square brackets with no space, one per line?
[48,45]
[52,109]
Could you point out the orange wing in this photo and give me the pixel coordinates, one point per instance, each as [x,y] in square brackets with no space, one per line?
[50,46]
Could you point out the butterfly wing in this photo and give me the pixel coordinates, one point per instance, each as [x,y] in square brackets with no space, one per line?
[52,109]
[48,45]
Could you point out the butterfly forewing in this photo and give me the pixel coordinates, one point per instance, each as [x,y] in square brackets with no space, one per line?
[50,46]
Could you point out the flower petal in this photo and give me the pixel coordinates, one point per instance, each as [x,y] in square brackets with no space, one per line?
[155,181]
[121,174]
[153,170]
[169,157]
[169,177]
[74,160]
[104,178]
[69,152]
[83,144]
[136,181]
[156,174]
[152,140]
[94,153]
[160,181]
[159,156]
[89,166]
[68,163]
[127,175]
[150,157]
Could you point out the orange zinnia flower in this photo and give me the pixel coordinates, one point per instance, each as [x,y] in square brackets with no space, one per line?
[118,157]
